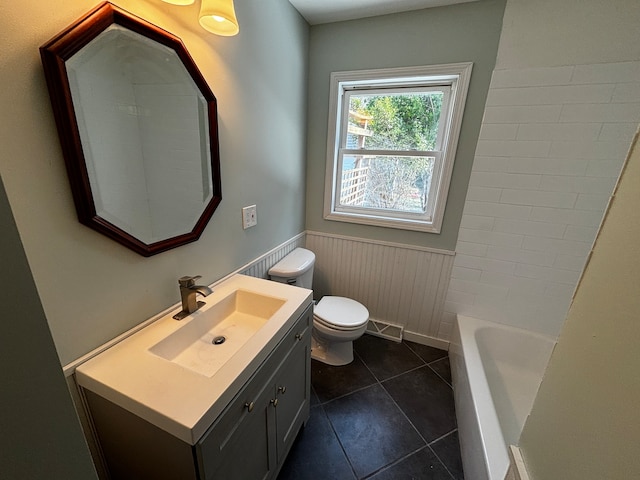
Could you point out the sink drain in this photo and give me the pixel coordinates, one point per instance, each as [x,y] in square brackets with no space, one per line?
[218,340]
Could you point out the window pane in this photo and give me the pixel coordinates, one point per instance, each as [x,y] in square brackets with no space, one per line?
[386,183]
[400,121]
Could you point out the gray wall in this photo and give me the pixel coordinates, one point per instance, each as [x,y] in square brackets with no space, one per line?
[93,289]
[459,33]
[40,433]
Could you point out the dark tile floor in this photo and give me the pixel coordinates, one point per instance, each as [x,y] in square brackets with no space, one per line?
[389,415]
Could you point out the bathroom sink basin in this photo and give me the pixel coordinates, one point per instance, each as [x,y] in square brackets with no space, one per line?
[213,335]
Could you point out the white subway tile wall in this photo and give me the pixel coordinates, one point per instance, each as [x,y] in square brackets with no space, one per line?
[552,144]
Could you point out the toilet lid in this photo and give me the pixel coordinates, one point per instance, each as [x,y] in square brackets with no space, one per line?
[294,264]
[341,313]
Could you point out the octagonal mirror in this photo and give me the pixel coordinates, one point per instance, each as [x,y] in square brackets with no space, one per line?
[138,128]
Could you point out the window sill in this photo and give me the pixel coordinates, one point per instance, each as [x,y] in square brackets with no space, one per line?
[376,221]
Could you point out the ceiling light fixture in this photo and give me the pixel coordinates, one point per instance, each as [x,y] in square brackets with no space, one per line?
[219,17]
[216,16]
[179,2]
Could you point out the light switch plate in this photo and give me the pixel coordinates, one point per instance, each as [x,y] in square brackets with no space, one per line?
[249,217]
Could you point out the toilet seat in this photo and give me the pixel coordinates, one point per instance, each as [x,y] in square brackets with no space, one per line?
[340,313]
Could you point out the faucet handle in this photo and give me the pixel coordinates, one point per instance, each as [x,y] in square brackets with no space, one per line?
[188,281]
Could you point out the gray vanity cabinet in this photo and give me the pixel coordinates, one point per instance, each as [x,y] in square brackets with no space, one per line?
[292,387]
[252,436]
[241,444]
[248,441]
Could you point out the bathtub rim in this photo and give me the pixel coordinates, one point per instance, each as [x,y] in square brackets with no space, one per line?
[494,450]
[465,356]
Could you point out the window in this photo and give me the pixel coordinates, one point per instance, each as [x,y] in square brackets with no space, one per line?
[391,144]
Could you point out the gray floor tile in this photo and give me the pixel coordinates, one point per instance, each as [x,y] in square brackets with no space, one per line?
[331,382]
[448,450]
[426,399]
[374,436]
[316,453]
[353,412]
[422,465]
[386,358]
[443,368]
[428,354]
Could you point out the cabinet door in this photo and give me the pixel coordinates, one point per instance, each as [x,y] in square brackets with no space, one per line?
[256,430]
[292,389]
[240,446]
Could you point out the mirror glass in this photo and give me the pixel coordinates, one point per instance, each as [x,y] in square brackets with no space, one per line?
[142,149]
[143,126]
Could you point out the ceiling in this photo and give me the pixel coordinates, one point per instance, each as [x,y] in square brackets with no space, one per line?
[327,11]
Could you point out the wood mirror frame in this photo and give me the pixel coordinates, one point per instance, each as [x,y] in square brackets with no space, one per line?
[54,56]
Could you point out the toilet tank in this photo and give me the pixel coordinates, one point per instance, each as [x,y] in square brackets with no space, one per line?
[295,269]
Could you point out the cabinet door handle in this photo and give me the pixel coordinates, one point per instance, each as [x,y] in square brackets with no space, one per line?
[274,402]
[298,336]
[249,406]
[282,389]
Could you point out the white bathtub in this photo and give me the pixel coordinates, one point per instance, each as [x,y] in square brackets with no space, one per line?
[496,372]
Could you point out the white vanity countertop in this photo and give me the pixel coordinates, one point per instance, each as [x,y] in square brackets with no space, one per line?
[176,399]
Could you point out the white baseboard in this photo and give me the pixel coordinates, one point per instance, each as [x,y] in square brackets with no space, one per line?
[426,340]
[517,468]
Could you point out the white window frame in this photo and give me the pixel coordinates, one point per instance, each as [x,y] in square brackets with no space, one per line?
[453,77]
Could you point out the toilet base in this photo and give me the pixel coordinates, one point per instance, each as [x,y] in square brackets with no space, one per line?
[332,353]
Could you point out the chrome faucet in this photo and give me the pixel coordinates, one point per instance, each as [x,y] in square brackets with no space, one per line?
[188,292]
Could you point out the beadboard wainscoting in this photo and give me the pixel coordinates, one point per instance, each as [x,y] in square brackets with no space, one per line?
[399,284]
[261,265]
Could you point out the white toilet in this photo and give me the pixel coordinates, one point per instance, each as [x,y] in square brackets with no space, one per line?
[337,321]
